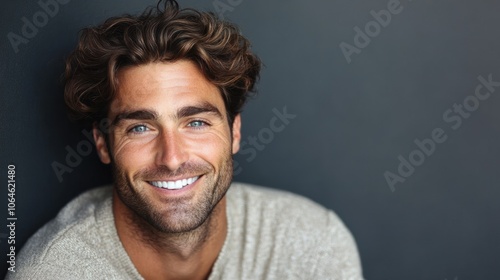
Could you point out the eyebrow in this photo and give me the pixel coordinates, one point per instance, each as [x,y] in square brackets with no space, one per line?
[183,112]
[135,115]
[204,107]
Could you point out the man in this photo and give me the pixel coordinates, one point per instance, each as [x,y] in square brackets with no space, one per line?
[168,86]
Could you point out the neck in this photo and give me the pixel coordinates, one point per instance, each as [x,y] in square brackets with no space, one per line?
[159,255]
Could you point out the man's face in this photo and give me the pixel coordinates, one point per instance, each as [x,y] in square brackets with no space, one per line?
[170,144]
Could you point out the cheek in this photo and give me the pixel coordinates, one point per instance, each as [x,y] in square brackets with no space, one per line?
[211,146]
[132,154]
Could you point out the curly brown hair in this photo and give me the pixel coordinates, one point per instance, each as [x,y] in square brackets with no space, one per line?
[162,33]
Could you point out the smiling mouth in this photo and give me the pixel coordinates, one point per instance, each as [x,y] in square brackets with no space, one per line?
[174,185]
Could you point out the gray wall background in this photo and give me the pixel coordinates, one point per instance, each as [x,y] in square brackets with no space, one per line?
[352,122]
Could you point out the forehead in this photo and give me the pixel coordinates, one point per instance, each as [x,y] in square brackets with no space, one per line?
[164,85]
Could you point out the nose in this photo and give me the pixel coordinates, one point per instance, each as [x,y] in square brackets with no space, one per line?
[171,150]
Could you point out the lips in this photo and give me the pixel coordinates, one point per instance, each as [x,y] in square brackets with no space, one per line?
[174,185]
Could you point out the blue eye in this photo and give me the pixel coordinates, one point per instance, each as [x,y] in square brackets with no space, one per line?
[139,129]
[197,124]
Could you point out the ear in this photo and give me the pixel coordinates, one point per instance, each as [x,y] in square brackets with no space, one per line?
[236,133]
[100,144]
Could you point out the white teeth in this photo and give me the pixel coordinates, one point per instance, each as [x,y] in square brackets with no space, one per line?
[174,185]
[178,184]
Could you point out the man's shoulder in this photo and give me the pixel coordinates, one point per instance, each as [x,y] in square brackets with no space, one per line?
[285,211]
[278,202]
[70,238]
[78,216]
[288,235]
[81,208]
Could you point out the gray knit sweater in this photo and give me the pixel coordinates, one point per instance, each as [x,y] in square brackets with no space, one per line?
[271,235]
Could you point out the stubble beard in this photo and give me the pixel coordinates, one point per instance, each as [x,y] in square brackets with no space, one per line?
[175,216]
